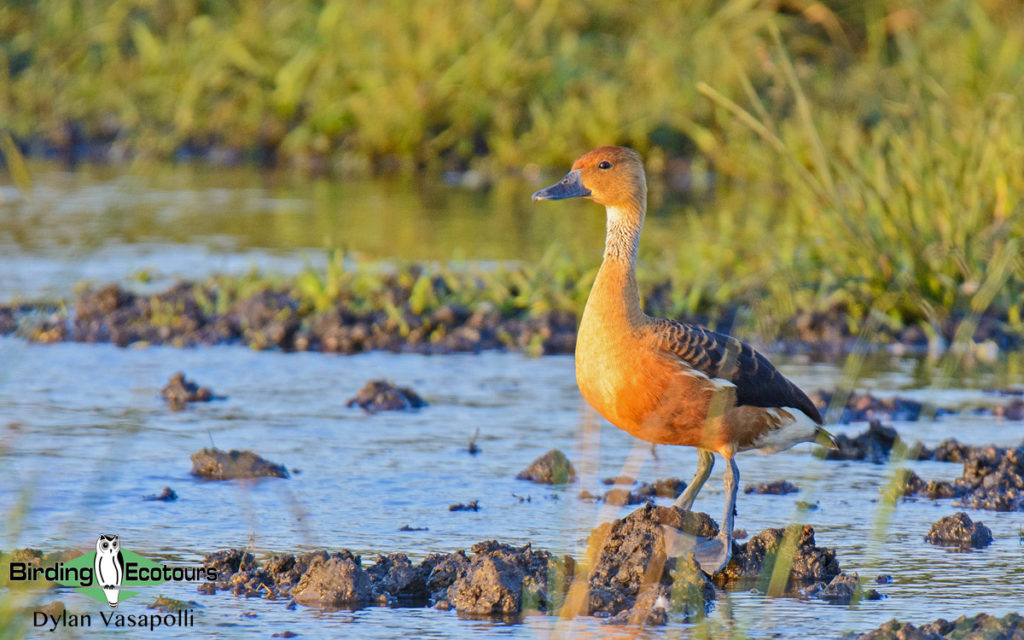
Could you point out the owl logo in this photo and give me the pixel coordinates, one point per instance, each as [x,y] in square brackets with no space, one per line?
[109,567]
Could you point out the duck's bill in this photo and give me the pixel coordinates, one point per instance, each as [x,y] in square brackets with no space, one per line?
[571,186]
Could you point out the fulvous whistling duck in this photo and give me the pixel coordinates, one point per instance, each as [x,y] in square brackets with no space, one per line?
[668,382]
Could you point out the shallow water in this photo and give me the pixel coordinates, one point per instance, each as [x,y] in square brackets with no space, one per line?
[182,221]
[85,436]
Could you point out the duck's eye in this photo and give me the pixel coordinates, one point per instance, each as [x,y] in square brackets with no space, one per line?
[604,165]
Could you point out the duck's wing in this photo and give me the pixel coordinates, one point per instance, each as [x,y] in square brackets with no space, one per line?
[717,355]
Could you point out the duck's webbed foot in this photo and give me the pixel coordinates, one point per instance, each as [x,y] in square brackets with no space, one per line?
[712,554]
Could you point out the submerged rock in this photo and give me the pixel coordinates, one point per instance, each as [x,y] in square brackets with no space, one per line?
[958,530]
[983,625]
[634,578]
[381,395]
[214,464]
[777,488]
[551,468]
[179,391]
[755,560]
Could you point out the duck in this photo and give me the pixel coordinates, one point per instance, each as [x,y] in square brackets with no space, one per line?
[668,382]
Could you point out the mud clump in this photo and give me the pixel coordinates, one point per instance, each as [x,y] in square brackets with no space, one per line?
[634,579]
[909,483]
[381,395]
[777,488]
[958,530]
[755,559]
[983,625]
[874,445]
[214,464]
[497,581]
[179,391]
[843,589]
[334,583]
[502,580]
[993,477]
[861,407]
[551,468]
[396,581]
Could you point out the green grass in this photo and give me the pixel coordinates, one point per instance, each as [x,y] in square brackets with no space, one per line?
[867,157]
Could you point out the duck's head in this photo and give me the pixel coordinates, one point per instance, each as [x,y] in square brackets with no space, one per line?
[612,176]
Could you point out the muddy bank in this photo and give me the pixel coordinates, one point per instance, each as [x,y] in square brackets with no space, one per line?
[414,308]
[1010,626]
[389,319]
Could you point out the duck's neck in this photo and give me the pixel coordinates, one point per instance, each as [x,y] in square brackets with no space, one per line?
[615,298]
[623,235]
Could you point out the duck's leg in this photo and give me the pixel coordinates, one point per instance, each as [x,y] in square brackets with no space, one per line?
[705,462]
[713,555]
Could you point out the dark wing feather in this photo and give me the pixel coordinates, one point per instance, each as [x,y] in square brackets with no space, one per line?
[717,355]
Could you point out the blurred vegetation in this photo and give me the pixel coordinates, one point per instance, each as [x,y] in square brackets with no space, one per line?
[867,157]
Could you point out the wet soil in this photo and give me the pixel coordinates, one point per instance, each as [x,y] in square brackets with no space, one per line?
[382,395]
[958,530]
[214,464]
[1010,627]
[551,468]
